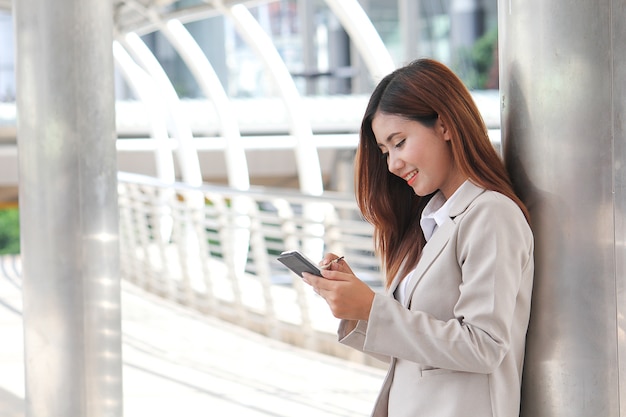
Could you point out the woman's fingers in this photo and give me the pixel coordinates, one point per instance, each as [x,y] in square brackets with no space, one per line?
[346,295]
[334,262]
[328,259]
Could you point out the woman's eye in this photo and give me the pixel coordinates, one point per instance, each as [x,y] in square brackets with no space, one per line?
[384,155]
[399,144]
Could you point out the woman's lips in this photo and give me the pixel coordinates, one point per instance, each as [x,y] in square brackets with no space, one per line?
[410,178]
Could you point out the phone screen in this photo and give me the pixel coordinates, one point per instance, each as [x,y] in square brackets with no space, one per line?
[299,263]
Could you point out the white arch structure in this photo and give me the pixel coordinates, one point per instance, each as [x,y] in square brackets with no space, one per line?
[309,171]
[352,17]
[209,83]
[187,155]
[146,90]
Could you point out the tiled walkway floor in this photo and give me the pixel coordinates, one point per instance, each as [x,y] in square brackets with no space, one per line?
[178,363]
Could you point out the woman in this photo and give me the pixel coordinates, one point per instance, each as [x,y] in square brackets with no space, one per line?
[456,247]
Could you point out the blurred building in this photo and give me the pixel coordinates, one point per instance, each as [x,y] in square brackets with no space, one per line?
[317,50]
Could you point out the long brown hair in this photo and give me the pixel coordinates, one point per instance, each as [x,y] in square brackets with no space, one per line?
[421,91]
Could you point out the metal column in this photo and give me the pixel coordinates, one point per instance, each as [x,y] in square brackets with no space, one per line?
[562,72]
[68,208]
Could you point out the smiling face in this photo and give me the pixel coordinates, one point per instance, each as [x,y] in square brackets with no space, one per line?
[419,154]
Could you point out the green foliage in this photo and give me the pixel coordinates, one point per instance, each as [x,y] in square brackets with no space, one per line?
[9,231]
[475,63]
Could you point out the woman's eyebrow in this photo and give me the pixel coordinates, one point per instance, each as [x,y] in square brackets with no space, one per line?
[389,139]
[391,136]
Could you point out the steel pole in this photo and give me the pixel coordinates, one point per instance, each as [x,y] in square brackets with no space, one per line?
[68,208]
[563,96]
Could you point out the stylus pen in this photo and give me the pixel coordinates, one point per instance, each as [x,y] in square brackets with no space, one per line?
[332,262]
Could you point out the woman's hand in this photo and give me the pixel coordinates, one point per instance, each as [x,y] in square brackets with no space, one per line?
[347,296]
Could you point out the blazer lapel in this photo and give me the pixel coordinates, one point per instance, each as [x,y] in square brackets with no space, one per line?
[438,241]
[430,252]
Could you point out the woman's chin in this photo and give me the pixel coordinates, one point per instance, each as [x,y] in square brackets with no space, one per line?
[421,191]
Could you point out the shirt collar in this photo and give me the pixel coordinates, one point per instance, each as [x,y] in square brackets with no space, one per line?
[437,211]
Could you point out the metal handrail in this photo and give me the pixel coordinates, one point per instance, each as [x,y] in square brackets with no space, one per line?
[213,248]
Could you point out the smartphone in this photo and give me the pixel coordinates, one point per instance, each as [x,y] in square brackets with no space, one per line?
[299,263]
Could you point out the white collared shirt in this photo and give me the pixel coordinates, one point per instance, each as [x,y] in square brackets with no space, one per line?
[434,214]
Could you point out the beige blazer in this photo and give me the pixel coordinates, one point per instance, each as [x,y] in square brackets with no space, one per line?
[456,348]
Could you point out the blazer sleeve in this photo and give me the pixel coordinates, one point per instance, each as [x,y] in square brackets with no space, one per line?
[493,251]
[352,333]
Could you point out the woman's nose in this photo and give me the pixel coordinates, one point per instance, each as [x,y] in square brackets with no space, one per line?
[394,164]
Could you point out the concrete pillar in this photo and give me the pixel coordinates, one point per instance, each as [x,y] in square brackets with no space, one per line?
[7,67]
[563,97]
[467,23]
[410,27]
[308,25]
[339,58]
[68,208]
